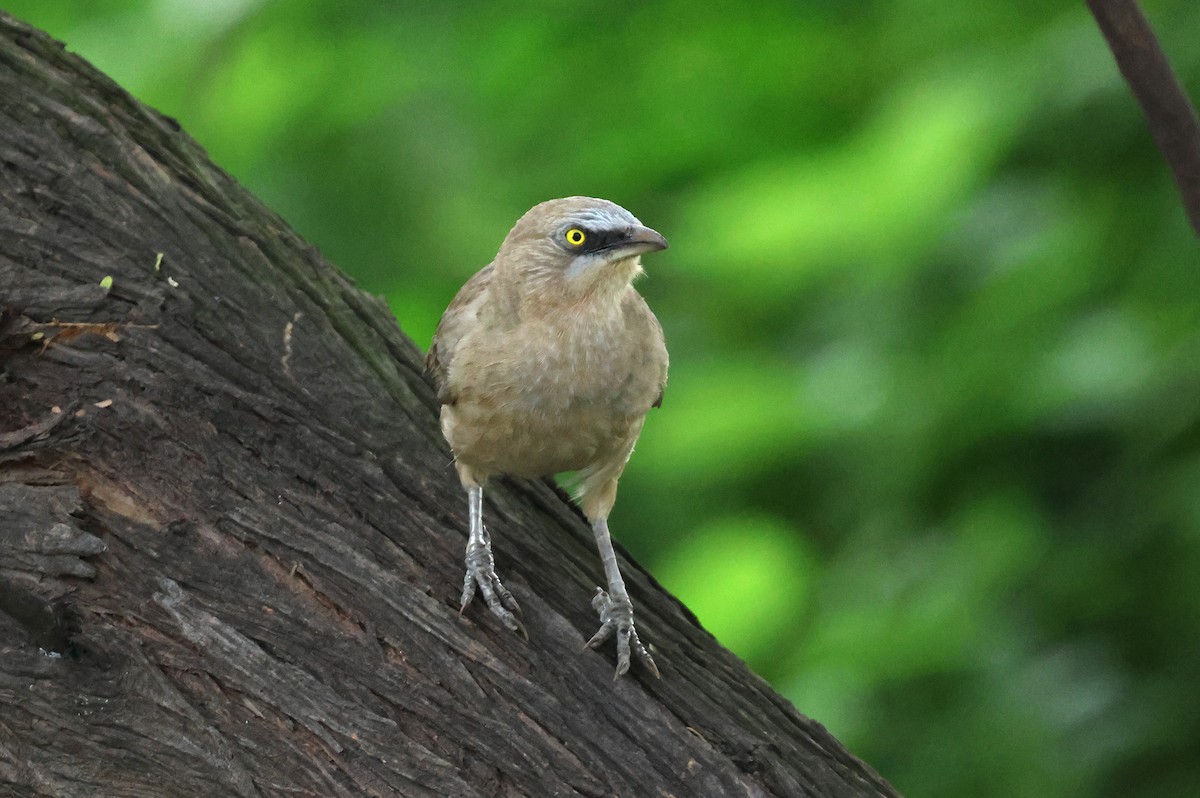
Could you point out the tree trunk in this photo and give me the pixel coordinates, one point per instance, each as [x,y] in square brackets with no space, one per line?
[230,536]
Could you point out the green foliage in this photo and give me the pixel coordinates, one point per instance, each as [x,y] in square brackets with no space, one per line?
[930,454]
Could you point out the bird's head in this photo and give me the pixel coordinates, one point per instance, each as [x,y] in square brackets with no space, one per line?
[577,247]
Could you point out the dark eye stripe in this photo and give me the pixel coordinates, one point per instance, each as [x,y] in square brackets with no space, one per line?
[582,241]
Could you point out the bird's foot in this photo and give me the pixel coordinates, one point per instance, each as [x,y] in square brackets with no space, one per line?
[481,575]
[616,617]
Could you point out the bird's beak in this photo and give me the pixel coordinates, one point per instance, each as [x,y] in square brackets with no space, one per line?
[638,240]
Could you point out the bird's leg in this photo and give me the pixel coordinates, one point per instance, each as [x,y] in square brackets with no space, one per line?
[481,569]
[615,608]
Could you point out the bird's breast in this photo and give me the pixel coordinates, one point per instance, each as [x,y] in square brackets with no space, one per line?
[548,397]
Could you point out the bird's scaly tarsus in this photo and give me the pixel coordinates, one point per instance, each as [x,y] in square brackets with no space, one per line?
[481,570]
[615,609]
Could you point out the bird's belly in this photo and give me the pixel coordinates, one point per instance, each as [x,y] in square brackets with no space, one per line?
[549,398]
[533,438]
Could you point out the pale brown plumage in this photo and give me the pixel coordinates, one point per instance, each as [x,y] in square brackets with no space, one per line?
[548,361]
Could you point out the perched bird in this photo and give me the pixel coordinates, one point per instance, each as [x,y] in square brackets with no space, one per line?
[548,361]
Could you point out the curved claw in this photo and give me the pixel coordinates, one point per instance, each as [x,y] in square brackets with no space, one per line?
[481,575]
[616,617]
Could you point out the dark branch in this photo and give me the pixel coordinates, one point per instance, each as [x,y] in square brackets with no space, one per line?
[1169,113]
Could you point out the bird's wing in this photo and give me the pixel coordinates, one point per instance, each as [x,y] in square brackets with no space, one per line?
[455,322]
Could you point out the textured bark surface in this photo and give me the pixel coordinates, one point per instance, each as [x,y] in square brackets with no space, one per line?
[231,539]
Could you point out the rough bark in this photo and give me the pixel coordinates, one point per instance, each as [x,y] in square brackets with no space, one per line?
[231,539]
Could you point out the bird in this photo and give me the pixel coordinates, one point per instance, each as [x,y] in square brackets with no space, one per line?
[547,361]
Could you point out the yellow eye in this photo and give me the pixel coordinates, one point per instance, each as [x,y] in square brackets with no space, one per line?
[575,237]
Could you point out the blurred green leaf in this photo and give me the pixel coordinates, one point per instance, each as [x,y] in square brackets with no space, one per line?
[747,580]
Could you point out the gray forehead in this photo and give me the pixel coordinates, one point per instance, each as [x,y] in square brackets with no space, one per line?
[608,218]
